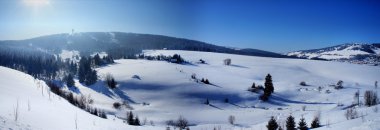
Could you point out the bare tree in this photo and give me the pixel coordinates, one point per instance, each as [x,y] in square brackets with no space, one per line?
[370,98]
[351,113]
[231,119]
[16,112]
[76,121]
[182,123]
[29,107]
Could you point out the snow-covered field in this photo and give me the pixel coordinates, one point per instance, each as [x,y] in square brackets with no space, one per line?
[159,91]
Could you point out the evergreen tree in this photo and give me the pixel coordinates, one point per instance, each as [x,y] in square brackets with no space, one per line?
[315,123]
[136,121]
[130,119]
[272,124]
[290,123]
[207,102]
[70,81]
[269,89]
[302,124]
[97,60]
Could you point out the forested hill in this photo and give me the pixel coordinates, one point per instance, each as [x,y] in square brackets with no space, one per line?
[119,44]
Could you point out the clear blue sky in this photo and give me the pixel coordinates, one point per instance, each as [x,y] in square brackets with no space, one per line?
[273,25]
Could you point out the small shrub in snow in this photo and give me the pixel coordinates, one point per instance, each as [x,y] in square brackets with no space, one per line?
[227,61]
[339,85]
[320,89]
[207,102]
[193,76]
[303,83]
[116,105]
[231,119]
[375,84]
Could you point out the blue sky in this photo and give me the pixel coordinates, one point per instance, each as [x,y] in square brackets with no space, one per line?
[273,25]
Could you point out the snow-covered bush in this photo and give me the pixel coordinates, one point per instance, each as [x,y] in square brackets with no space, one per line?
[227,61]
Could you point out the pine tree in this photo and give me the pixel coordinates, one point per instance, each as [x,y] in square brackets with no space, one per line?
[269,89]
[302,124]
[130,119]
[207,102]
[290,123]
[315,123]
[97,60]
[272,124]
[136,121]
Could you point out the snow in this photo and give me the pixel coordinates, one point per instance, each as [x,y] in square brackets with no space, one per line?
[71,55]
[164,91]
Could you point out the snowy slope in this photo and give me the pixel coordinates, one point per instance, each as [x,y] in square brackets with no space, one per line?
[170,92]
[38,110]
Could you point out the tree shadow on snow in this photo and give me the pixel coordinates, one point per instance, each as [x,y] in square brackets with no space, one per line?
[239,66]
[277,99]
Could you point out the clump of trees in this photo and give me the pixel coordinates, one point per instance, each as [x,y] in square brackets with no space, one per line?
[181,123]
[269,89]
[102,61]
[176,58]
[86,74]
[205,81]
[110,81]
[351,113]
[370,98]
[81,102]
[133,120]
[70,80]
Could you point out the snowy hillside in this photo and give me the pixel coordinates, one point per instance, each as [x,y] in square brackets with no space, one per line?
[158,91]
[37,108]
[170,91]
[355,53]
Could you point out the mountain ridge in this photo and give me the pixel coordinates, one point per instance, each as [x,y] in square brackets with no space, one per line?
[120,44]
